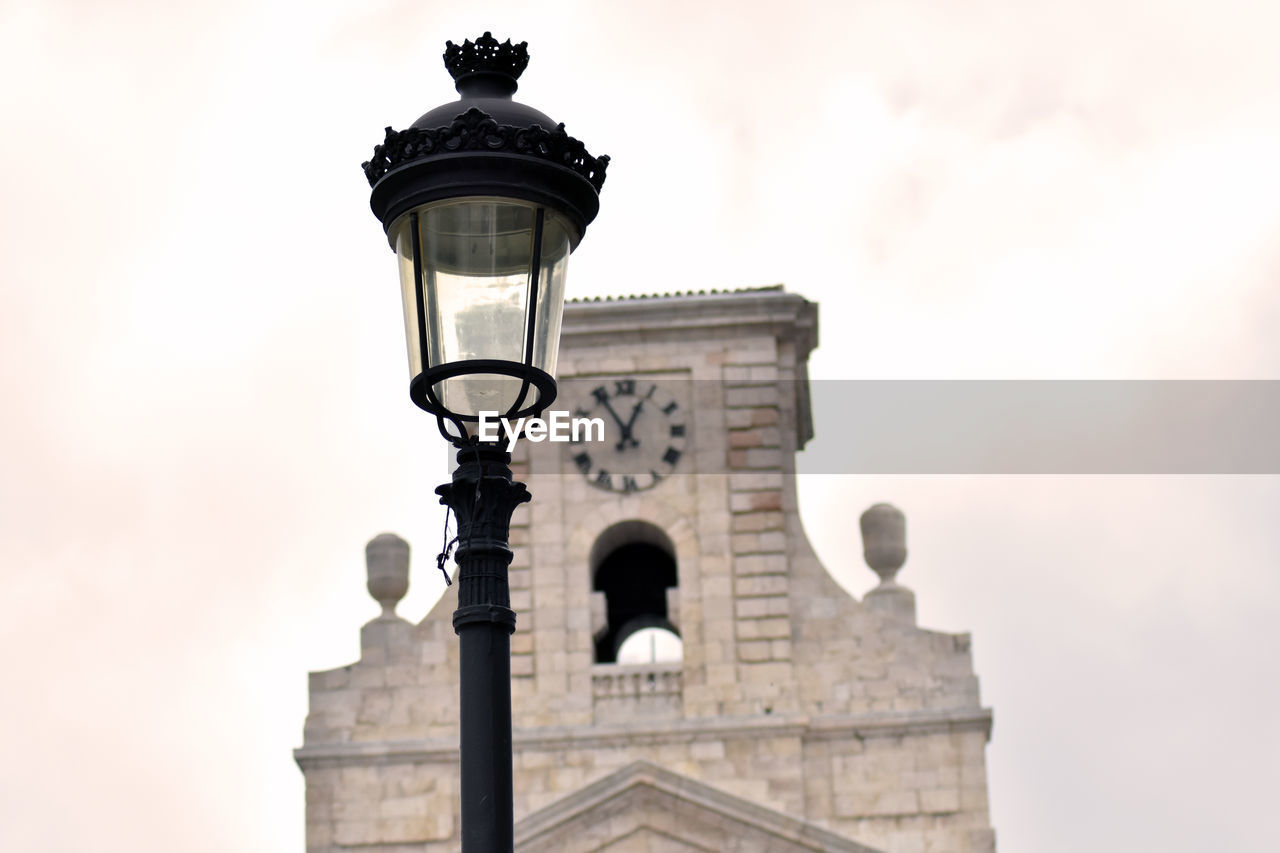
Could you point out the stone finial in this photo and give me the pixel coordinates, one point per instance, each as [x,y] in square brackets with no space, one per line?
[387,560]
[884,540]
[884,544]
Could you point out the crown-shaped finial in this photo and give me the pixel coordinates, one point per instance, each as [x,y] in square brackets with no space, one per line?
[486,56]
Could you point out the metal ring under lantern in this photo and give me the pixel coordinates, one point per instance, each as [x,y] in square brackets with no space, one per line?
[483,199]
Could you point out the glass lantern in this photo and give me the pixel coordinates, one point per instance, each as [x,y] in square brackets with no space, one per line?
[482,279]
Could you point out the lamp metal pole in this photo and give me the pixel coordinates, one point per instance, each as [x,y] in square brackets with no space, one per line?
[483,497]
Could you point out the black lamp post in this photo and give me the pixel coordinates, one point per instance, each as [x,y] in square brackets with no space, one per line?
[482,200]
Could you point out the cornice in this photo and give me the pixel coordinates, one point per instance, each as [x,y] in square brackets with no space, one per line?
[787,316]
[859,726]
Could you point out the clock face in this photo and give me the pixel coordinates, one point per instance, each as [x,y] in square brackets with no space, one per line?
[644,435]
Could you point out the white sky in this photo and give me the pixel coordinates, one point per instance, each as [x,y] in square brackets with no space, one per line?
[201,355]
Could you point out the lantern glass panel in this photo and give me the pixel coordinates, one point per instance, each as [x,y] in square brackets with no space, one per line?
[475,258]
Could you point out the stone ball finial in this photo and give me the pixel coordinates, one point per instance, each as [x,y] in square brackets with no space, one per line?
[884,540]
[386,558]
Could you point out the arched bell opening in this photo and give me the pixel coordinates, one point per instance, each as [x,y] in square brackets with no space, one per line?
[636,586]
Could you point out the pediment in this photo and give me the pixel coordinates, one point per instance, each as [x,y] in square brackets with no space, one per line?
[644,808]
[646,839]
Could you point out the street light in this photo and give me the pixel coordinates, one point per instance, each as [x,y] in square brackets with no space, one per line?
[482,200]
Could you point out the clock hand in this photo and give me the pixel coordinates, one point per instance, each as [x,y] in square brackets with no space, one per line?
[627,440]
[617,420]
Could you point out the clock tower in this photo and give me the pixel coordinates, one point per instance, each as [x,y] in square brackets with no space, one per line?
[685,674]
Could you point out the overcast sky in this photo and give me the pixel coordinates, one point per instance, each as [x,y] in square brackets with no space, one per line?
[205,414]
